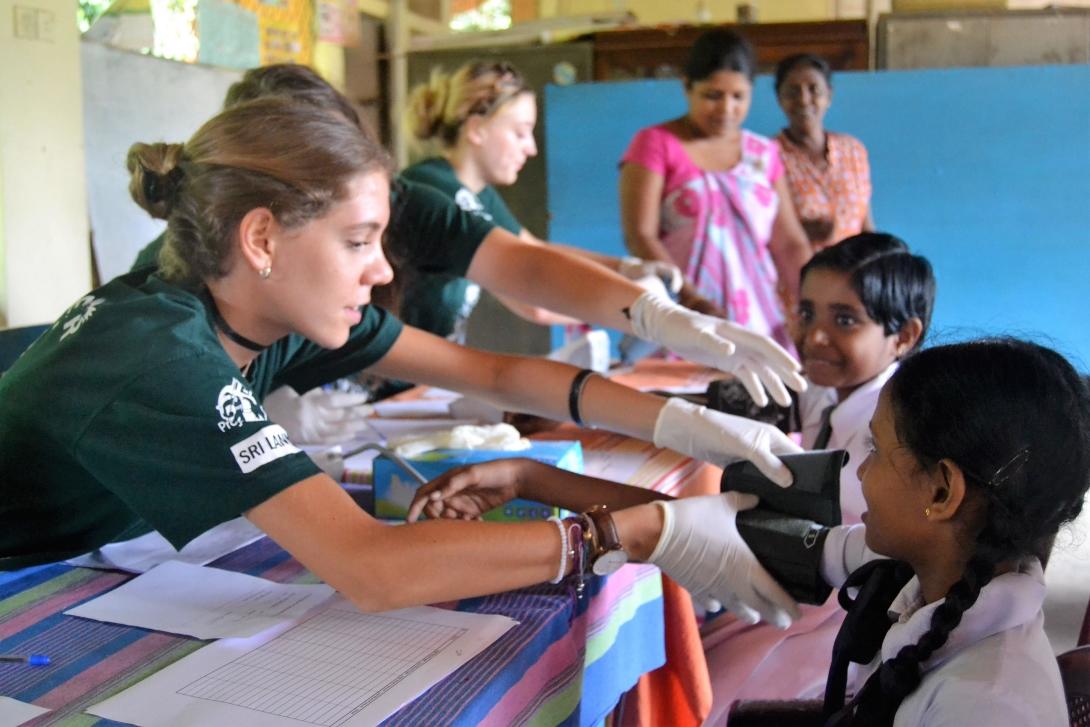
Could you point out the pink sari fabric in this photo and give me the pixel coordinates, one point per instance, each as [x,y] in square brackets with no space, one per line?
[716,224]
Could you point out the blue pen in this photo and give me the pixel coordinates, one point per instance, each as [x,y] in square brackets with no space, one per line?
[32,659]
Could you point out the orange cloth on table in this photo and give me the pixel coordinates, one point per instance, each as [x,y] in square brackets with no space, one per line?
[679,692]
[839,193]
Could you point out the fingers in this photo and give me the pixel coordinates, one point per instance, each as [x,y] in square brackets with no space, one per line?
[716,346]
[753,385]
[762,346]
[742,611]
[420,501]
[774,385]
[771,467]
[773,603]
[741,501]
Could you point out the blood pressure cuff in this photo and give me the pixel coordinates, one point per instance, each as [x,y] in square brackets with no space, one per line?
[730,397]
[787,530]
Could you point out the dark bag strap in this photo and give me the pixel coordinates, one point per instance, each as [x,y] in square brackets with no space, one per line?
[866,623]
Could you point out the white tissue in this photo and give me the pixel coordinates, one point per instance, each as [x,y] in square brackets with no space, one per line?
[494,437]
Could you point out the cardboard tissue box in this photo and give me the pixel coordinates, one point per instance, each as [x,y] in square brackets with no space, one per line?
[394,488]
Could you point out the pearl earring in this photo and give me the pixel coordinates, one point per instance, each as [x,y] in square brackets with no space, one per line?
[265,272]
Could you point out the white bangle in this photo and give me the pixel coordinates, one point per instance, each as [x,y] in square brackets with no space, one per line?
[563,549]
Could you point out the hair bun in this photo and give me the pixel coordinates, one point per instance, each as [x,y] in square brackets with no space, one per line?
[427,104]
[156,176]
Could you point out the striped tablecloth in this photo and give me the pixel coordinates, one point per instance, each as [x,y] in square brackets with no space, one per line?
[567,662]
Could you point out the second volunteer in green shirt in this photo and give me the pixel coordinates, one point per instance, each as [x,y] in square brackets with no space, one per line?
[481,118]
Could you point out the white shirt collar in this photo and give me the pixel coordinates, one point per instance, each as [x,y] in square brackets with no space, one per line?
[860,403]
[1008,601]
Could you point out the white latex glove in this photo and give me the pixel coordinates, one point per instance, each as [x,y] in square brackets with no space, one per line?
[720,438]
[701,549]
[319,416]
[635,268]
[757,361]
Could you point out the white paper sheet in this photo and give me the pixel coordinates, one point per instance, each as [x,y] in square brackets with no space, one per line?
[338,667]
[13,712]
[147,551]
[208,603]
[418,408]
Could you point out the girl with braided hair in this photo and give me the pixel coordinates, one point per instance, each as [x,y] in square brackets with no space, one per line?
[981,451]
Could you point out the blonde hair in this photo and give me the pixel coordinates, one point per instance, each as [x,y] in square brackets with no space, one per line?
[292,158]
[437,109]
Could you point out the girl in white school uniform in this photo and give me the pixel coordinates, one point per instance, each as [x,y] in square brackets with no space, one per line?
[979,453]
[864,304]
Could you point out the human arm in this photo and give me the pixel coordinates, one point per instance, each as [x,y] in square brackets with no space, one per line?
[469,492]
[641,196]
[844,551]
[577,287]
[538,386]
[868,221]
[789,246]
[366,560]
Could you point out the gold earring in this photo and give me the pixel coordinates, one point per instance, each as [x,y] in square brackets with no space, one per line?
[265,272]
[927,512]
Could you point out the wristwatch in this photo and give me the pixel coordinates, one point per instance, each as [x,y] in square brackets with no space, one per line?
[608,554]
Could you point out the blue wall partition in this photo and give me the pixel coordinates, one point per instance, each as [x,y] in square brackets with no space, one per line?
[984,171]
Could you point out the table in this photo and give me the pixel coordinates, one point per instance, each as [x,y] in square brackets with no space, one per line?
[567,662]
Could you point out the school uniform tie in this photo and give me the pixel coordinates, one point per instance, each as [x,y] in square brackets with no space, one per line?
[825,433]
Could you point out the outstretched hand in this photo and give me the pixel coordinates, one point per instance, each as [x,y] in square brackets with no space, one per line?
[760,363]
[468,492]
[701,549]
[720,438]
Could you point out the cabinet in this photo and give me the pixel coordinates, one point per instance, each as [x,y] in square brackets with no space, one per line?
[661,52]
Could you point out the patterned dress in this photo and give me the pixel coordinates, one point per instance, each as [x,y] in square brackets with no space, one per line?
[831,202]
[716,224]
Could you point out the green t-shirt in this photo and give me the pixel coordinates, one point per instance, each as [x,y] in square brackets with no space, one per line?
[487,204]
[127,415]
[435,242]
[438,298]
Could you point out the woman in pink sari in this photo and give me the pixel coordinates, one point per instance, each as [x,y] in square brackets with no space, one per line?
[704,193]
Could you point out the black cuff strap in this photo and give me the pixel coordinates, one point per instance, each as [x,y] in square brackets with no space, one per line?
[790,549]
[576,391]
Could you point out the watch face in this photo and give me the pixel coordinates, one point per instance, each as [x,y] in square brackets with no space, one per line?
[609,561]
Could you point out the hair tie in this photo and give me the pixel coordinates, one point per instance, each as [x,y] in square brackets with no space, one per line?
[161,187]
[151,187]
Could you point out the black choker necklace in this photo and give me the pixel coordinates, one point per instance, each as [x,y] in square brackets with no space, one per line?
[226,329]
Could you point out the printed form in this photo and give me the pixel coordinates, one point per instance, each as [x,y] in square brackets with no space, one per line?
[337,667]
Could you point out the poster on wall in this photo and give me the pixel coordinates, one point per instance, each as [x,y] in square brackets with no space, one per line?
[336,22]
[286,30]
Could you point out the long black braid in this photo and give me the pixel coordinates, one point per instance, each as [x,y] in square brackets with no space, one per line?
[1017,412]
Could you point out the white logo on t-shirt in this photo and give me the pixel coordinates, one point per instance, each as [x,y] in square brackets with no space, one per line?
[236,405]
[84,308]
[470,203]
